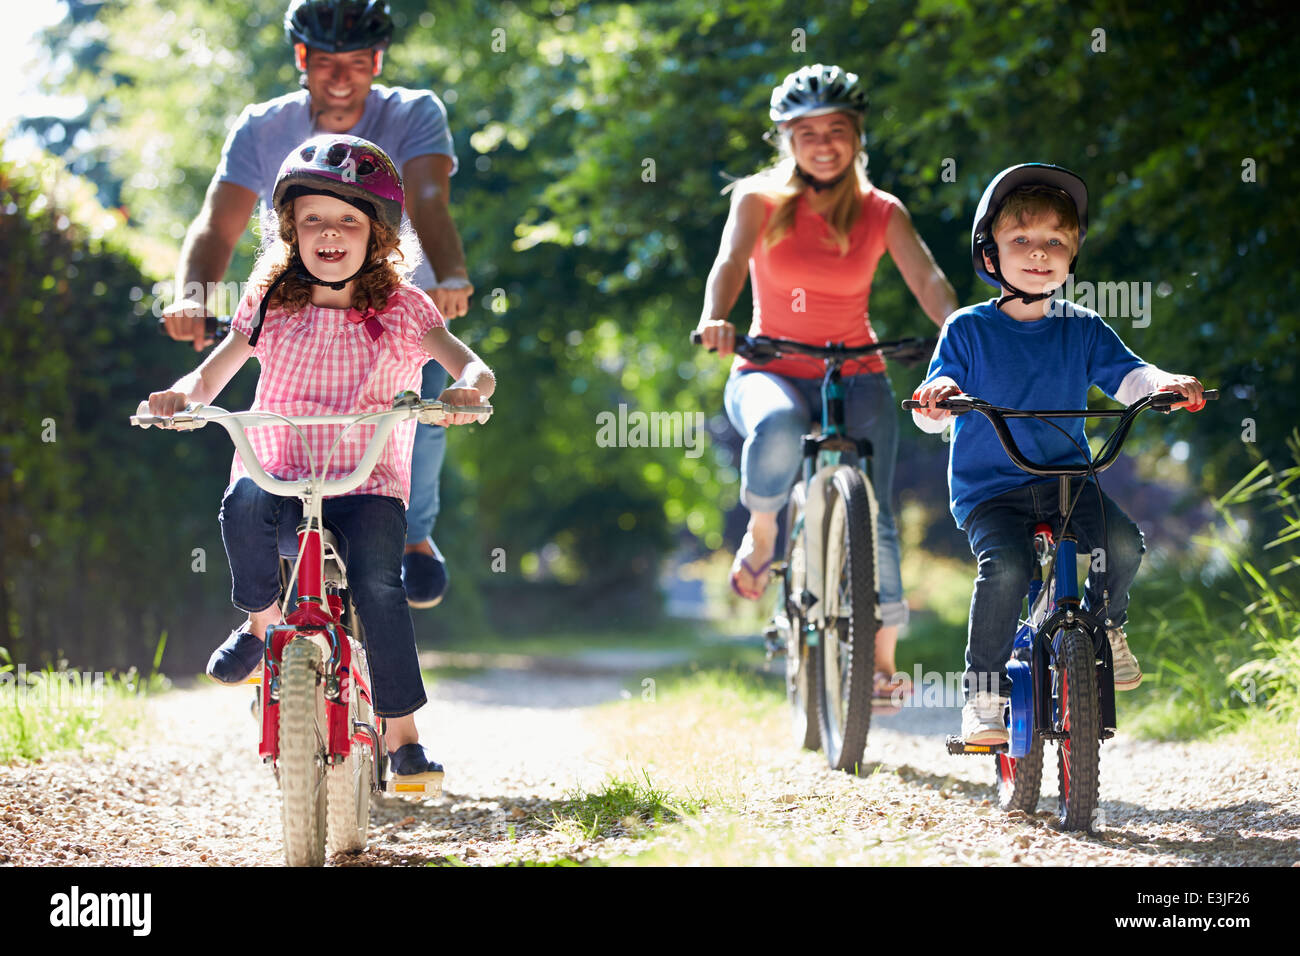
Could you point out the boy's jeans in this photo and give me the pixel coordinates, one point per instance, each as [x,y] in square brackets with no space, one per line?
[1000,531]
[772,412]
[426,462]
[370,530]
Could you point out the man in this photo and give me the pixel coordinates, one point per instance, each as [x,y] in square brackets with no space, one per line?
[338,45]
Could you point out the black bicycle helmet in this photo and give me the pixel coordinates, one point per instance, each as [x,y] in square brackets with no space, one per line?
[1003,185]
[339,26]
[817,89]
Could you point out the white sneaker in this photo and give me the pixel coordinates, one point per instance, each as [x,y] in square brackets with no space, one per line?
[983,719]
[1127,672]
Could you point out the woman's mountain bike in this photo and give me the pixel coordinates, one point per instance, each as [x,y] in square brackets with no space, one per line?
[1062,676]
[826,613]
[314,700]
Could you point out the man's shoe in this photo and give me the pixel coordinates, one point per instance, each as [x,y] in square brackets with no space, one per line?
[983,719]
[1127,672]
[236,658]
[424,577]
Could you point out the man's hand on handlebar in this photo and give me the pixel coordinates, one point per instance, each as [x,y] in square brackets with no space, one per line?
[185,320]
[717,335]
[1186,386]
[932,392]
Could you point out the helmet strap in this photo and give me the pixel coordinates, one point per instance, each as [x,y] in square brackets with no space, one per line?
[1026,297]
[817,185]
[297,269]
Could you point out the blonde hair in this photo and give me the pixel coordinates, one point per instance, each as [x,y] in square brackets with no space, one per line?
[386,266]
[781,183]
[1032,202]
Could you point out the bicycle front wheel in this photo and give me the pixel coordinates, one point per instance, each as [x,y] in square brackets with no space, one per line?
[800,687]
[302,766]
[845,655]
[1078,712]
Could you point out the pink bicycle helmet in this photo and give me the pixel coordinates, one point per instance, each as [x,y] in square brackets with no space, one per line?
[349,168]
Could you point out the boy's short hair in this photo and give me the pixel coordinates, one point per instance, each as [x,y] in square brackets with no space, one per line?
[1030,202]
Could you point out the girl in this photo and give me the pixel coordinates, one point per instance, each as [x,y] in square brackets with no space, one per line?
[337,330]
[809,231]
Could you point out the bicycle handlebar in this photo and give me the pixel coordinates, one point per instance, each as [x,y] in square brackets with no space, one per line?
[997,416]
[215,327]
[761,349]
[405,407]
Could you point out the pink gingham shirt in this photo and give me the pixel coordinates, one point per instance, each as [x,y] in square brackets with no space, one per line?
[318,362]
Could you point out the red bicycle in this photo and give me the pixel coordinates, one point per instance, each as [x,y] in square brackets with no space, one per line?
[314,698]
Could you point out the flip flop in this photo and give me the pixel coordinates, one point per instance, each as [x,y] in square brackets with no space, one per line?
[888,692]
[752,572]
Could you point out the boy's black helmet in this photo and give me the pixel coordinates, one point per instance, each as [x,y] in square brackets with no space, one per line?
[339,26]
[1003,185]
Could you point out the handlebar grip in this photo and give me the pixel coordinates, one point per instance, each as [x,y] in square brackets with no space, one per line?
[961,407]
[696,337]
[216,327]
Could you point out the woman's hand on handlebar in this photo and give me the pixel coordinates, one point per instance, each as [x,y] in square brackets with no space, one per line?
[932,392]
[717,335]
[460,396]
[167,403]
[1186,386]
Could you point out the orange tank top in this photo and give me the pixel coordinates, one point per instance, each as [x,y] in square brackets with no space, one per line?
[805,290]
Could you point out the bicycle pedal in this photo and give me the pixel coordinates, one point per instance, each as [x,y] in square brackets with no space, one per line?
[957,746]
[415,788]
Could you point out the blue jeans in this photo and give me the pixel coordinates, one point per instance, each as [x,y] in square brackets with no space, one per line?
[1000,531]
[772,412]
[426,462]
[370,529]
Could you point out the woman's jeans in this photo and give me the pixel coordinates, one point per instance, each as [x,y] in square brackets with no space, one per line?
[1001,530]
[773,412]
[426,462]
[370,530]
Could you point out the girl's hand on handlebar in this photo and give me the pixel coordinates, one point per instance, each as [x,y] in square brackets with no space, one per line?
[932,392]
[460,396]
[167,403]
[717,335]
[1186,386]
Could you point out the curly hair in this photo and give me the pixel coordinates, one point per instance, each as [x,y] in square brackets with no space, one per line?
[386,266]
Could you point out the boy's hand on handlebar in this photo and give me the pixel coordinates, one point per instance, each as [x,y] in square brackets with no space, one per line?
[1186,386]
[167,403]
[717,336]
[932,392]
[460,396]
[185,320]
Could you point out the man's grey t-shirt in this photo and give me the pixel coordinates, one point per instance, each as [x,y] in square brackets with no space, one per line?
[403,123]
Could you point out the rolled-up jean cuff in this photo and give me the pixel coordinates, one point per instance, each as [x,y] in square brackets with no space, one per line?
[401,711]
[895,614]
[763,503]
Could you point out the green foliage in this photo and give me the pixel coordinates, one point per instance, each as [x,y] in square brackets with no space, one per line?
[594,139]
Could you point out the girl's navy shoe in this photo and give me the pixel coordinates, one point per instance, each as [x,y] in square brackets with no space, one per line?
[234,660]
[411,768]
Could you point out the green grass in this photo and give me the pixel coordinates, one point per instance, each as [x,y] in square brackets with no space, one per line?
[620,807]
[55,710]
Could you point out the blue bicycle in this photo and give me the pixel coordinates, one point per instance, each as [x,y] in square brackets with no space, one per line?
[1062,677]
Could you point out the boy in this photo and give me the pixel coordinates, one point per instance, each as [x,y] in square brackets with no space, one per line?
[1027,350]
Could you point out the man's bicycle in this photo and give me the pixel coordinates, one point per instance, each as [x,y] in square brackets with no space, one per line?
[1062,675]
[314,700]
[826,615]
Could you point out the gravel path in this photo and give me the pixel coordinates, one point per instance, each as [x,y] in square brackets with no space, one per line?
[515,741]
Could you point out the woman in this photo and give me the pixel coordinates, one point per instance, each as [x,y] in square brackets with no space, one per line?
[810,231]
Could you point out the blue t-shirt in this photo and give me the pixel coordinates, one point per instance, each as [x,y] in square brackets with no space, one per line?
[403,123]
[1048,363]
